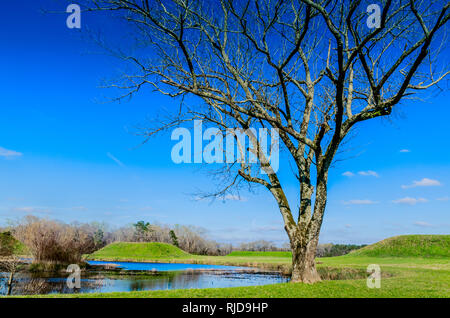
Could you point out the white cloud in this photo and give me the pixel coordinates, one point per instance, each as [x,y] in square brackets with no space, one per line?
[425,182]
[267,228]
[359,202]
[443,199]
[120,163]
[410,201]
[79,208]
[26,209]
[368,173]
[348,174]
[9,154]
[231,197]
[32,210]
[405,150]
[15,199]
[423,224]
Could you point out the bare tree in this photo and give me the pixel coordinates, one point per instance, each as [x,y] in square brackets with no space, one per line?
[10,265]
[313,70]
[260,246]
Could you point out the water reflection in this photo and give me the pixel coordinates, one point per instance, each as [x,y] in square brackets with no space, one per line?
[45,283]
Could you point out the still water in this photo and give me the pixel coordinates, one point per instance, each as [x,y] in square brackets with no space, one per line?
[153,276]
[164,267]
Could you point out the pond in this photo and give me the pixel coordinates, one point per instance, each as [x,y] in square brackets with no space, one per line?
[164,267]
[143,276]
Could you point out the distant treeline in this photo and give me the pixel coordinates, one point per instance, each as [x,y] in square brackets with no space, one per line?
[323,250]
[329,250]
[58,242]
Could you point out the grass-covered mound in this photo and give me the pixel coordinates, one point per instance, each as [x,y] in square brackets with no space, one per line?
[138,251]
[261,254]
[432,246]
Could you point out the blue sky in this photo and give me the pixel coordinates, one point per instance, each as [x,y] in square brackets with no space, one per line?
[66,153]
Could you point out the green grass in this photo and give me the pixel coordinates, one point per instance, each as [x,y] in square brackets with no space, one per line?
[415,275]
[265,254]
[138,252]
[408,246]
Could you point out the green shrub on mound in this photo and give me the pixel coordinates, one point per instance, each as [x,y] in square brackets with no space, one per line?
[9,245]
[430,246]
[138,251]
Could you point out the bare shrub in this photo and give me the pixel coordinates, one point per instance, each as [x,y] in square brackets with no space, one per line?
[52,241]
[323,249]
[193,240]
[259,246]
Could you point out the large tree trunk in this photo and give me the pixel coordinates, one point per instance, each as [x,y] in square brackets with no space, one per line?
[304,241]
[303,262]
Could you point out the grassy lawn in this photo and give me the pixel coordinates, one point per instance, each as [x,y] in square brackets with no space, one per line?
[406,275]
